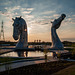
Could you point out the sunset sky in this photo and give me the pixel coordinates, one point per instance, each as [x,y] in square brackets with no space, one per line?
[38,15]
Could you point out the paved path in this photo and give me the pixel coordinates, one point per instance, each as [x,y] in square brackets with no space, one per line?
[24,63]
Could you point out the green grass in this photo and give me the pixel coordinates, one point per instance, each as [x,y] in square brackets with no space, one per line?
[67,71]
[8,59]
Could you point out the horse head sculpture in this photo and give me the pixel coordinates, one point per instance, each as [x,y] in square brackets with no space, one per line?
[56,43]
[20,32]
[57,22]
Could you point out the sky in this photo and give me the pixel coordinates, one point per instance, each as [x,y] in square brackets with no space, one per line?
[38,15]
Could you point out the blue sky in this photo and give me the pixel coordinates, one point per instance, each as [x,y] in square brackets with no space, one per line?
[38,14]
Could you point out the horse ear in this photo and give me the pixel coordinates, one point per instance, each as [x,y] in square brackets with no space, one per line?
[16,17]
[20,18]
[13,19]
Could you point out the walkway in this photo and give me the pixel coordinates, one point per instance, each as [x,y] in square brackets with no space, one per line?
[25,62]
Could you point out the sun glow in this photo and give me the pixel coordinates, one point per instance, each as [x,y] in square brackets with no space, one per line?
[28,30]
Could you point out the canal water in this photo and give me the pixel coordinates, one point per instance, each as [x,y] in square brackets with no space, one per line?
[26,54]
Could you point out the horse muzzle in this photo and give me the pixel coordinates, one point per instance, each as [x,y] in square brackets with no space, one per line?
[15,37]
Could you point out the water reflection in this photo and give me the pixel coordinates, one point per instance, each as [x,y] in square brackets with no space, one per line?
[29,53]
[26,54]
[22,53]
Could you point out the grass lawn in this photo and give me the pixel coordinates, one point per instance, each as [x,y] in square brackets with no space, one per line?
[67,71]
[8,59]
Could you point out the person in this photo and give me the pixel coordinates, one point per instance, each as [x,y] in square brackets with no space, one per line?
[54,55]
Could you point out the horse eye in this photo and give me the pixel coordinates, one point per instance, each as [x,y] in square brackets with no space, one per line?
[17,24]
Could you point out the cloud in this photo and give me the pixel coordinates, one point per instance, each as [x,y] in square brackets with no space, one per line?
[26,12]
[12,8]
[43,22]
[39,27]
[5,2]
[56,15]
[48,12]
[35,29]
[17,11]
[30,9]
[10,11]
[69,19]
[29,17]
[7,14]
